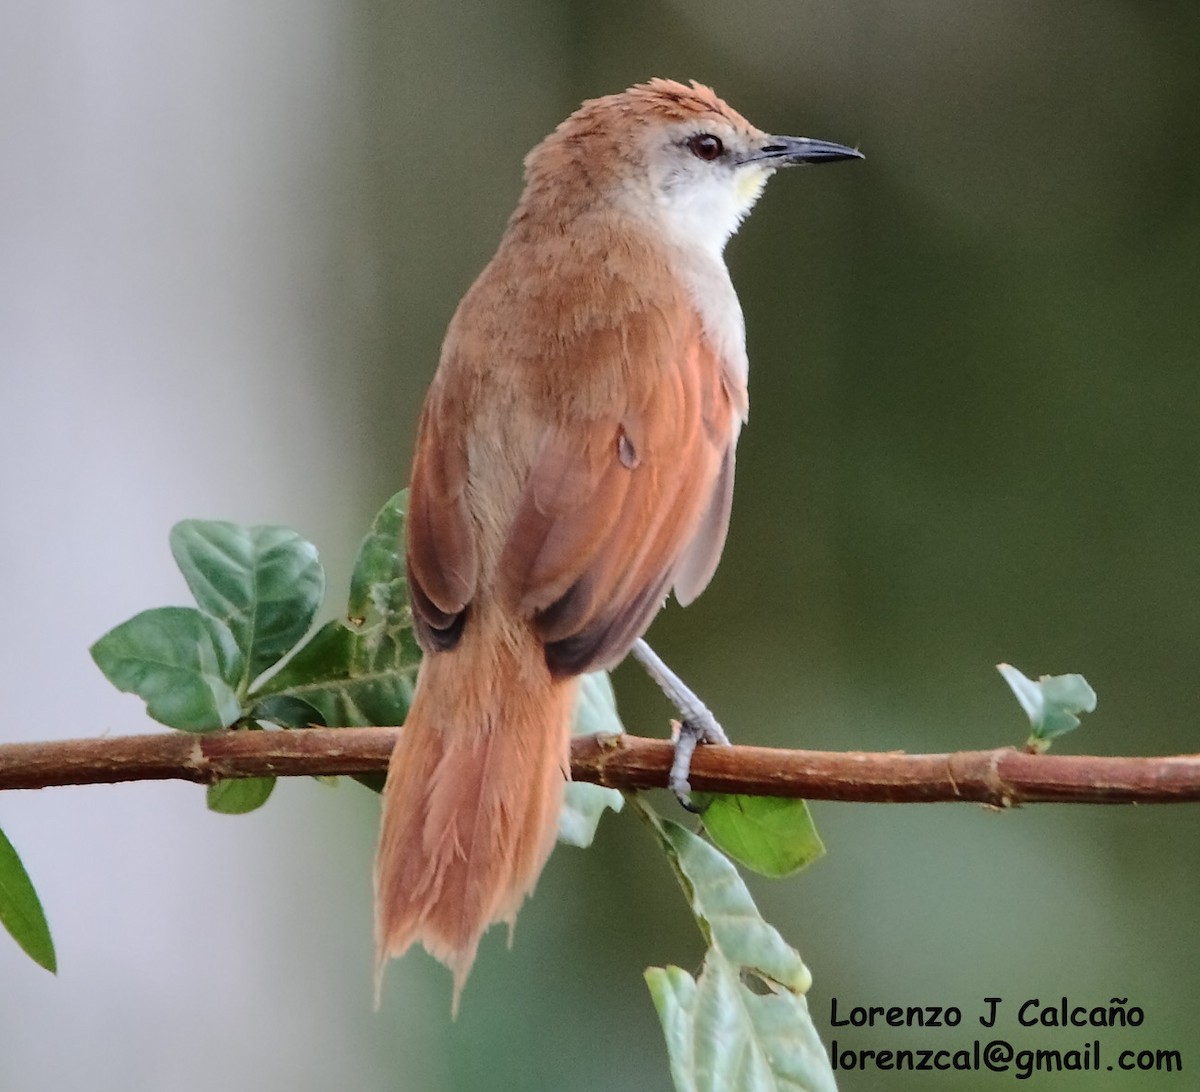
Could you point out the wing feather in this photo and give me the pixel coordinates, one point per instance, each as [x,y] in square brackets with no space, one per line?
[577,489]
[699,561]
[615,500]
[443,565]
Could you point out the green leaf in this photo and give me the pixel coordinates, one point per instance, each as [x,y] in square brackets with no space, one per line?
[21,911]
[352,679]
[379,583]
[772,835]
[183,663]
[1052,703]
[287,712]
[373,781]
[236,796]
[362,671]
[264,583]
[723,1035]
[584,804]
[724,909]
[596,707]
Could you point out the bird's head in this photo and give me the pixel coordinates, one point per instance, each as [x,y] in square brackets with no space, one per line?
[676,154]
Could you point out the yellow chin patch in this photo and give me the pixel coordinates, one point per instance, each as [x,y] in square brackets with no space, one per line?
[750,182]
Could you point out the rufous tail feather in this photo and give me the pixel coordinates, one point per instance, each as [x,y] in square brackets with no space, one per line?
[472,801]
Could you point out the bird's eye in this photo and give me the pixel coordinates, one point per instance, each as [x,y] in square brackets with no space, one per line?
[705,146]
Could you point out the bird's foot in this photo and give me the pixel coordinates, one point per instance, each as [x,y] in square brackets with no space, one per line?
[697,726]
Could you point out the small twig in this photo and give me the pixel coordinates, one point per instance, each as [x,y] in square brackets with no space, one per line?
[1001,777]
[205,758]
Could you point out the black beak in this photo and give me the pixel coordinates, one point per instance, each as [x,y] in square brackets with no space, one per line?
[786,151]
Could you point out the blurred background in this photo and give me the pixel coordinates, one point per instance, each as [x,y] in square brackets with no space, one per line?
[231,236]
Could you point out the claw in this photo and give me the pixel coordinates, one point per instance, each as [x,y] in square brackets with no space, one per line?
[687,736]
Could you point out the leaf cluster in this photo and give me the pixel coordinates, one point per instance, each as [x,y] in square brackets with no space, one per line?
[235,660]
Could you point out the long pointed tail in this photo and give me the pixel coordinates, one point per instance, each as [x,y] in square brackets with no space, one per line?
[472,800]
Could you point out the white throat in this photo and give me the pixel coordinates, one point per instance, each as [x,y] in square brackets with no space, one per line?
[699,215]
[705,209]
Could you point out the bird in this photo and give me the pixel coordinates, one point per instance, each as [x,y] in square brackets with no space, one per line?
[574,464]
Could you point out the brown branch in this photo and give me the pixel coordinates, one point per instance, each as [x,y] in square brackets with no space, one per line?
[1001,777]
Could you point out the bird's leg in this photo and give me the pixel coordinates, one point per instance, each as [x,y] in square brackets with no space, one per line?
[698,725]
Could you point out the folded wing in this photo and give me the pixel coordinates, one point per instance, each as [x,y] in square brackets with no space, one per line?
[628,492]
